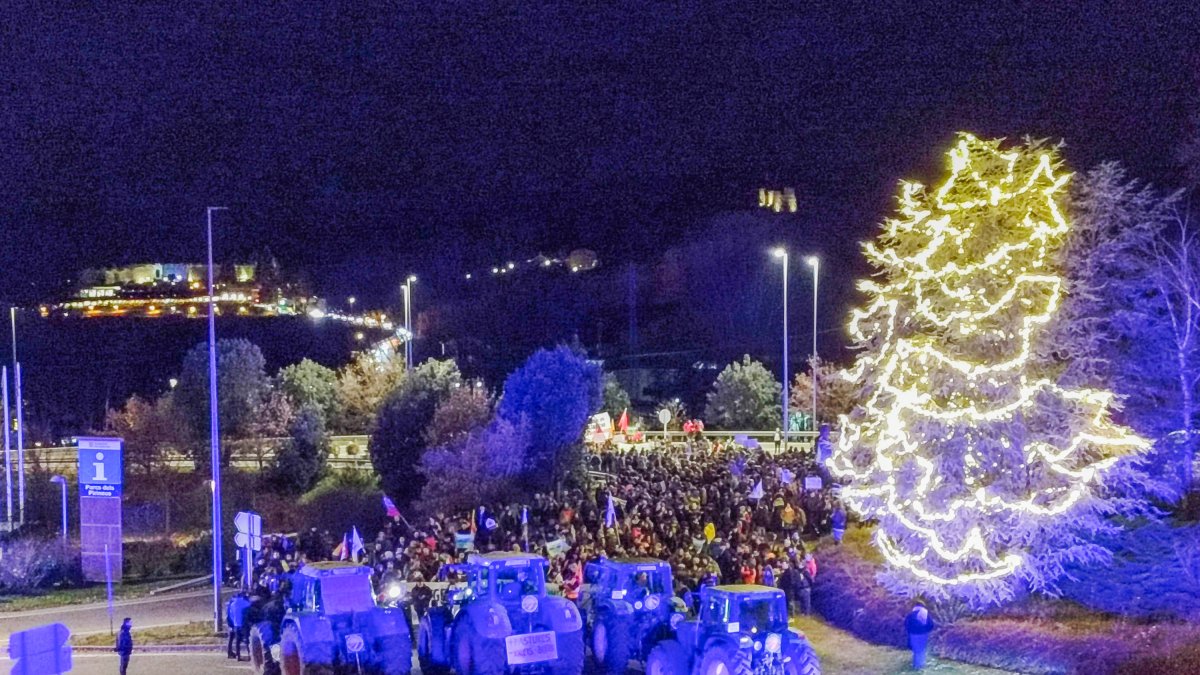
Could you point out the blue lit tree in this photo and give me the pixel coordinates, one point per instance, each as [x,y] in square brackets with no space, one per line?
[553,393]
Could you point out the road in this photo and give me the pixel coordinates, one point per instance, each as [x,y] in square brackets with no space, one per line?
[93,618]
[151,664]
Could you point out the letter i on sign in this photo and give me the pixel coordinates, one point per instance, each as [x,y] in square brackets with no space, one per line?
[99,465]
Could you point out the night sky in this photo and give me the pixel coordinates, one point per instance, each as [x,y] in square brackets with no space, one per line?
[363,140]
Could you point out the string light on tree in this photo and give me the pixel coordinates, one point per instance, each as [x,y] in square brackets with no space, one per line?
[977,464]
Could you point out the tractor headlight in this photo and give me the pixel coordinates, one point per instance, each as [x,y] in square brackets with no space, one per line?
[637,605]
[745,641]
[393,591]
[529,603]
[774,642]
[757,645]
[652,603]
[676,619]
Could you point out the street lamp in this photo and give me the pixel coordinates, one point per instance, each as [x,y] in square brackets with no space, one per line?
[815,263]
[214,430]
[408,347]
[63,482]
[352,300]
[782,253]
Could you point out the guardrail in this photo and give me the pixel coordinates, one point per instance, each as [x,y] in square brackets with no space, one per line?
[350,452]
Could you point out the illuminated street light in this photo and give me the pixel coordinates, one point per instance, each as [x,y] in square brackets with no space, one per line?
[782,254]
[352,300]
[815,263]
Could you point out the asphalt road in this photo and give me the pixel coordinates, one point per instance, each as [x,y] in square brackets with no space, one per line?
[151,664]
[93,618]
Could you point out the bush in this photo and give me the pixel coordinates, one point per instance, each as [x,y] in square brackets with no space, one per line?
[30,564]
[344,500]
[165,557]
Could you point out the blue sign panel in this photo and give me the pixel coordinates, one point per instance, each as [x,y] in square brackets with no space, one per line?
[100,468]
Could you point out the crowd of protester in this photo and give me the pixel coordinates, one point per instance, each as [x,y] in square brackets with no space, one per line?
[717,513]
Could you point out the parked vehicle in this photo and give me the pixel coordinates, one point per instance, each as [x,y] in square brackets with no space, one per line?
[498,618]
[629,606]
[740,630]
[332,625]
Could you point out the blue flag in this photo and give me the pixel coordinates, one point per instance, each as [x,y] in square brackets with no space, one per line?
[610,514]
[786,477]
[738,467]
[757,492]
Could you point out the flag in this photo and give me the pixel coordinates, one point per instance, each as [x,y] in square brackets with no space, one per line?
[738,467]
[786,477]
[390,507]
[356,545]
[757,492]
[464,541]
[525,526]
[623,422]
[342,551]
[610,514]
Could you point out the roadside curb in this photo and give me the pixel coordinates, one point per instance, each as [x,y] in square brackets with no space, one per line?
[152,649]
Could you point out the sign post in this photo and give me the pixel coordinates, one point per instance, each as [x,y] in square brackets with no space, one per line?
[100,489]
[664,416]
[249,539]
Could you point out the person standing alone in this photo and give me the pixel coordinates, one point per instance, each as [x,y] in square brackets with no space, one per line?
[124,644]
[918,624]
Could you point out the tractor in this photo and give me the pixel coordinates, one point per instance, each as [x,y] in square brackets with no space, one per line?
[629,606]
[497,618]
[740,630]
[332,625]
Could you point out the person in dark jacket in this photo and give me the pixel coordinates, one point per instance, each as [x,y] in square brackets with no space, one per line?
[838,521]
[124,644]
[918,624]
[239,628]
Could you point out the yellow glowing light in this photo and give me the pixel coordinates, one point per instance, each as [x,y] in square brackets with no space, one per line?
[939,304]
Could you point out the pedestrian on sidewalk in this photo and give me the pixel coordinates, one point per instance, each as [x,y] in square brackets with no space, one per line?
[235,617]
[918,624]
[124,644]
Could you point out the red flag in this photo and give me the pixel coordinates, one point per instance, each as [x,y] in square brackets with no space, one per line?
[623,423]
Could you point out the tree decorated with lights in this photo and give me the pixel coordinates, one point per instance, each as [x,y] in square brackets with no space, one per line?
[986,476]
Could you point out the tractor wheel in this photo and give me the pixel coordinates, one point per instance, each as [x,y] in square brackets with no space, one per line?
[667,658]
[570,654]
[261,637]
[726,659]
[476,655]
[395,655]
[803,661]
[299,658]
[611,645]
[430,647]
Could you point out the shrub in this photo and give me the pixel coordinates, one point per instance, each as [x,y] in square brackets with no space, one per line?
[344,500]
[31,564]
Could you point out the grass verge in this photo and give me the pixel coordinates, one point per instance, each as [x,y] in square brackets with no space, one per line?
[195,633]
[62,597]
[843,654]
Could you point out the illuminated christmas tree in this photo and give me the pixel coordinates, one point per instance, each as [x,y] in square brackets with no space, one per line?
[984,474]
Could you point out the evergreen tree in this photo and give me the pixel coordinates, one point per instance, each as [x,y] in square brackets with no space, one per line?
[398,437]
[745,396]
[302,460]
[984,472]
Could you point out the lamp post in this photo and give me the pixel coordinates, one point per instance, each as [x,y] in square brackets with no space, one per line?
[12,314]
[63,482]
[214,430]
[408,343]
[8,493]
[815,263]
[782,253]
[351,300]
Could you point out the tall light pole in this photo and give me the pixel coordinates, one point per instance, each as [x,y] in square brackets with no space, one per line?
[63,482]
[12,314]
[815,263]
[408,343]
[214,428]
[8,497]
[782,253]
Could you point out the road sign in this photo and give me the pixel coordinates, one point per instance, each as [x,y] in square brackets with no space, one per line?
[100,482]
[100,467]
[664,416]
[249,530]
[40,651]
[355,643]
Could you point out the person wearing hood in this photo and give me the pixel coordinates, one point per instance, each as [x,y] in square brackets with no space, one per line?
[918,624]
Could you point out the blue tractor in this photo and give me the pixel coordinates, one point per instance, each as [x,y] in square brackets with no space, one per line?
[497,618]
[630,606]
[332,625]
[741,630]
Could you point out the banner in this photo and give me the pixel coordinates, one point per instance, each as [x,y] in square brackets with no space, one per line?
[464,541]
[557,548]
[812,483]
